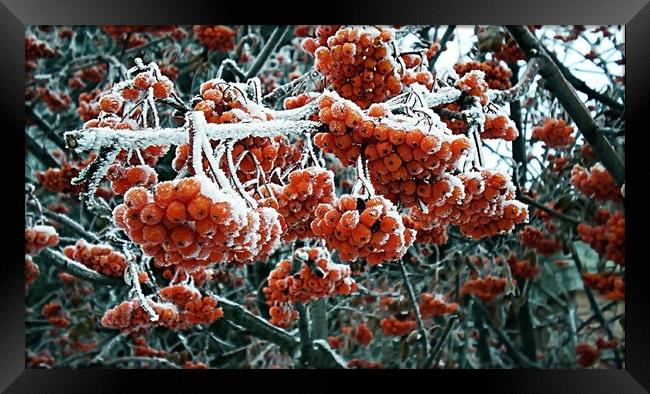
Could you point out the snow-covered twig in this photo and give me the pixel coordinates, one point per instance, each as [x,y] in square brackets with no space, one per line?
[517,91]
[95,138]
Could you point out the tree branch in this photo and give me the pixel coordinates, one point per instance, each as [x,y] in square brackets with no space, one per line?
[443,43]
[276,37]
[424,341]
[566,94]
[40,152]
[434,357]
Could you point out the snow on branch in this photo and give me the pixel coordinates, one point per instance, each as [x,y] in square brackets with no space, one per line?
[95,138]
[517,91]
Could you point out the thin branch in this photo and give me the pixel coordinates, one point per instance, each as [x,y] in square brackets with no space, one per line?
[276,37]
[306,343]
[41,124]
[416,311]
[552,212]
[39,151]
[443,43]
[434,357]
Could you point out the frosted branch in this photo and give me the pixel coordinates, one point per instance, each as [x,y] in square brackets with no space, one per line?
[97,137]
[517,91]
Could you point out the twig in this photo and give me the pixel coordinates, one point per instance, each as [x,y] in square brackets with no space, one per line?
[306,342]
[39,151]
[434,357]
[256,325]
[503,338]
[319,319]
[40,123]
[552,212]
[276,37]
[416,311]
[580,85]
[443,44]
[68,223]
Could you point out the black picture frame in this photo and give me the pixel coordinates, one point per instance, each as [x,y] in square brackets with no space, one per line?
[16,14]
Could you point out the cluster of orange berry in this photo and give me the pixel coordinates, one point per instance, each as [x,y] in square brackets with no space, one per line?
[433,305]
[402,163]
[358,63]
[522,268]
[363,335]
[53,312]
[189,223]
[607,239]
[293,102]
[488,207]
[596,182]
[36,49]
[130,316]
[415,73]
[481,203]
[510,52]
[298,199]
[322,34]
[200,276]
[558,163]
[544,244]
[124,178]
[586,354]
[473,84]
[100,258]
[59,180]
[94,74]
[55,101]
[161,86]
[555,133]
[358,226]
[318,278]
[499,126]
[41,360]
[610,286]
[400,158]
[118,30]
[88,106]
[218,38]
[193,309]
[394,326]
[487,288]
[496,76]
[31,270]
[142,349]
[358,363]
[38,238]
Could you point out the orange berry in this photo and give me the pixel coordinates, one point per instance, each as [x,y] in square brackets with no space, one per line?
[187,189]
[136,198]
[176,212]
[199,208]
